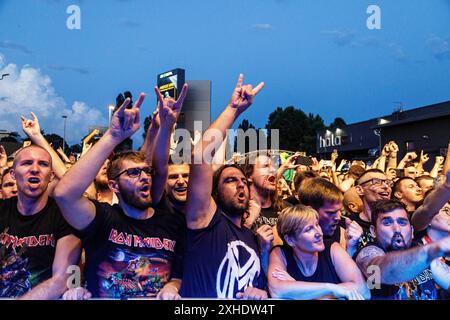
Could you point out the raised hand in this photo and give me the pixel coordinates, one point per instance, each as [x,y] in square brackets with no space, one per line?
[243,95]
[386,150]
[353,232]
[410,156]
[439,160]
[169,109]
[155,120]
[3,157]
[31,127]
[290,162]
[424,157]
[393,147]
[125,122]
[316,166]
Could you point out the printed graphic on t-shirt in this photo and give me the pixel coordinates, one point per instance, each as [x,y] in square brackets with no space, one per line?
[420,288]
[16,278]
[127,274]
[261,220]
[238,269]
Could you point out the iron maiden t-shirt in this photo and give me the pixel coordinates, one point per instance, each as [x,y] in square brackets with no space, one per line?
[126,257]
[28,245]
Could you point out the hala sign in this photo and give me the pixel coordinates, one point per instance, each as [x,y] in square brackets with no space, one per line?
[332,140]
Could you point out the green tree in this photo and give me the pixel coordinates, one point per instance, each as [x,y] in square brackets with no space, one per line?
[297,131]
[337,123]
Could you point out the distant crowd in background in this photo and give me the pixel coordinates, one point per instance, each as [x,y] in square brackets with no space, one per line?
[261,225]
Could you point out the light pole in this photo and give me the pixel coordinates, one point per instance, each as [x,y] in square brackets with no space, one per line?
[64,136]
[110,114]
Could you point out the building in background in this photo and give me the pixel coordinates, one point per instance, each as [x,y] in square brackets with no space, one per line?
[425,128]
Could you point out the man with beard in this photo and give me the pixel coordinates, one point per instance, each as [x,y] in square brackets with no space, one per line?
[101,187]
[401,268]
[264,204]
[33,231]
[408,192]
[132,250]
[222,255]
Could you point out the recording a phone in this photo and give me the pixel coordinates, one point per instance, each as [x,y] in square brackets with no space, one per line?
[303,160]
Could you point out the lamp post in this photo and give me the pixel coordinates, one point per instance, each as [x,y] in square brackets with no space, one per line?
[110,114]
[64,136]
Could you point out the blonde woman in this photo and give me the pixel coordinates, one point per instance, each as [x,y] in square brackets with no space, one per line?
[307,268]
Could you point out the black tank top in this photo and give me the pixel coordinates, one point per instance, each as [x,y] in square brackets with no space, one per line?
[325,271]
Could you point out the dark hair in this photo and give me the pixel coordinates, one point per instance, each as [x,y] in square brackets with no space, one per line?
[356,171]
[366,172]
[249,166]
[384,206]
[396,186]
[5,172]
[114,165]
[302,176]
[315,192]
[218,173]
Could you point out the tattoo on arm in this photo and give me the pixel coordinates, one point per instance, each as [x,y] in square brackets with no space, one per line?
[366,257]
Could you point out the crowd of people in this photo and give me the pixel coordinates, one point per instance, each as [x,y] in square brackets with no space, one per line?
[136,224]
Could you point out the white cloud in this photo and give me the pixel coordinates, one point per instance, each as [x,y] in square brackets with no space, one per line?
[440,47]
[28,89]
[263,26]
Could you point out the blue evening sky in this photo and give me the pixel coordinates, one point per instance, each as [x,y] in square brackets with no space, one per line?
[314,54]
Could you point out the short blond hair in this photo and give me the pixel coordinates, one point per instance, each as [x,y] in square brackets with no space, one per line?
[293,219]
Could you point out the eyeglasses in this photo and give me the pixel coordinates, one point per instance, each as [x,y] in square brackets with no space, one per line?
[136,172]
[376,182]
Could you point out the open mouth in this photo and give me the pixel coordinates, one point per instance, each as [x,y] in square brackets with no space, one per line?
[271,179]
[398,240]
[384,194]
[34,180]
[145,190]
[180,190]
[241,196]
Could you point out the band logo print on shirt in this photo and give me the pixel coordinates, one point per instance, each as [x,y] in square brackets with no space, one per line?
[230,272]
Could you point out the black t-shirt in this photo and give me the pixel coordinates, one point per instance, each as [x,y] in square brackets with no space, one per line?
[32,241]
[267,216]
[422,287]
[325,271]
[126,257]
[220,260]
[367,236]
[291,201]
